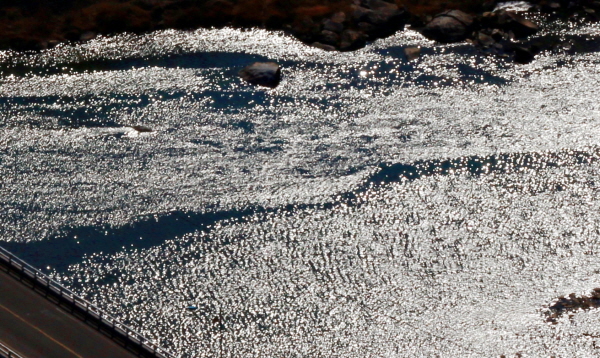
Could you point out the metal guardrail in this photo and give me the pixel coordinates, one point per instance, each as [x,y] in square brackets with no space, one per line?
[5,352]
[80,308]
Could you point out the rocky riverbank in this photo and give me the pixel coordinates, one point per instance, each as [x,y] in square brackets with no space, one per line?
[342,25]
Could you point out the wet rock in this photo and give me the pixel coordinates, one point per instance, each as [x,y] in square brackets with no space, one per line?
[142,129]
[352,40]
[523,54]
[338,17]
[329,38]
[359,13]
[386,21]
[322,46]
[87,36]
[551,6]
[266,74]
[484,40]
[53,43]
[113,17]
[449,26]
[330,25]
[381,5]
[305,29]
[26,44]
[517,24]
[367,28]
[498,35]
[412,53]
[488,20]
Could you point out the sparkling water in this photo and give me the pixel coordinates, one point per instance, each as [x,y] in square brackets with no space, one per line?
[367,207]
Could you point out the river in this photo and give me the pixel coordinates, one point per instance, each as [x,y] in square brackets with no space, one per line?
[367,207]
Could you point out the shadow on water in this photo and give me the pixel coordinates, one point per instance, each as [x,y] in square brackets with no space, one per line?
[70,247]
[476,165]
[97,111]
[73,244]
[201,60]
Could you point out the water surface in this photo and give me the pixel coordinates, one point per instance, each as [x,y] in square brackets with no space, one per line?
[368,206]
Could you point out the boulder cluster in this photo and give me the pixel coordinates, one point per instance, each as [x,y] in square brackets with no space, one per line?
[503,33]
[497,32]
[507,33]
[365,20]
[342,25]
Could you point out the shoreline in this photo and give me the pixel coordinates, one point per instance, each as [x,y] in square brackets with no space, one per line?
[339,25]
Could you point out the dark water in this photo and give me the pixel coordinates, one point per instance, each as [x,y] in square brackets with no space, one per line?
[367,207]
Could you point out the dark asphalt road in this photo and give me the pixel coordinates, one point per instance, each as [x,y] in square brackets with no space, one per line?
[36,328]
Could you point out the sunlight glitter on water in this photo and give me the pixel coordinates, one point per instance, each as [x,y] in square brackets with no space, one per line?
[423,207]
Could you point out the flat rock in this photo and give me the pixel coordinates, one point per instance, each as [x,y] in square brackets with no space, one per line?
[266,74]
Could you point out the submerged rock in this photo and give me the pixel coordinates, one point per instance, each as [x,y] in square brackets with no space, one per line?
[449,26]
[266,74]
[412,53]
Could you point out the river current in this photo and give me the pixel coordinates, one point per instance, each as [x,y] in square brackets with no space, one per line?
[367,207]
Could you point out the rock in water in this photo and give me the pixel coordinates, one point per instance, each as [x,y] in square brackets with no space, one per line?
[449,26]
[520,26]
[266,74]
[523,55]
[412,53]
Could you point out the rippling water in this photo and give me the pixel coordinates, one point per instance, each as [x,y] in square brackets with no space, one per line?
[367,207]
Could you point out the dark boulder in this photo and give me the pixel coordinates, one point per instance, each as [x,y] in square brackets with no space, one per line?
[449,26]
[266,74]
[523,54]
[359,13]
[328,38]
[339,17]
[484,40]
[332,26]
[142,129]
[367,28]
[87,36]
[305,29]
[380,5]
[386,21]
[352,40]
